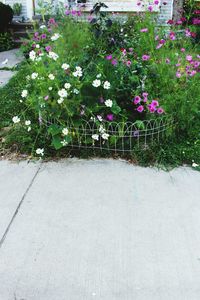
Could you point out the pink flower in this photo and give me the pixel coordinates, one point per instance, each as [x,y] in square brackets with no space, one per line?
[167,61]
[178,74]
[140,108]
[189,58]
[145,57]
[192,73]
[145,94]
[137,100]
[156,2]
[154,103]
[160,110]
[182,49]
[128,63]
[144,30]
[46,98]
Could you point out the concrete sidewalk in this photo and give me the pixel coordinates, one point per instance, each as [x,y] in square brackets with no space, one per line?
[98,229]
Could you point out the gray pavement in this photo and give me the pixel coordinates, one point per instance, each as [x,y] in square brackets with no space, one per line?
[8,60]
[98,229]
[5,76]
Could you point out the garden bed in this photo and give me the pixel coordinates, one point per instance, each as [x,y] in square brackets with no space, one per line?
[127,87]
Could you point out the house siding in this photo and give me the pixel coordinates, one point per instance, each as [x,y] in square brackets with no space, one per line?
[24,5]
[165,13]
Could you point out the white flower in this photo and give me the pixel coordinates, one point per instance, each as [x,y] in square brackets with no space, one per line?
[24,93]
[40,151]
[42,26]
[98,75]
[64,143]
[105,136]
[78,68]
[60,101]
[67,86]
[106,85]
[16,119]
[53,55]
[51,77]
[38,58]
[63,93]
[28,123]
[65,131]
[29,128]
[65,66]
[78,73]
[95,137]
[96,83]
[34,75]
[37,46]
[50,88]
[55,36]
[108,103]
[32,55]
[194,165]
[76,91]
[100,118]
[101,129]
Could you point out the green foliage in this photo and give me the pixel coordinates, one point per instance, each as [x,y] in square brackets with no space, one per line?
[6,41]
[17,9]
[74,74]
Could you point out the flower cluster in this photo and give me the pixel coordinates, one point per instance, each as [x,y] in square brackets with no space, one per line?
[144,104]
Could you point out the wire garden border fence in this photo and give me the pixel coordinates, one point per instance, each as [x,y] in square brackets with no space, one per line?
[121,137]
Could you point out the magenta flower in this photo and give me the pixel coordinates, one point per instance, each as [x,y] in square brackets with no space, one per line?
[156,2]
[160,110]
[110,117]
[114,62]
[137,100]
[172,35]
[43,36]
[145,94]
[150,8]
[48,48]
[152,108]
[139,3]
[144,30]
[178,74]
[145,57]
[109,57]
[182,49]
[140,108]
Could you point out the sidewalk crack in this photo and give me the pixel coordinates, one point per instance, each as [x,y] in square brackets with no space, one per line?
[18,207]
